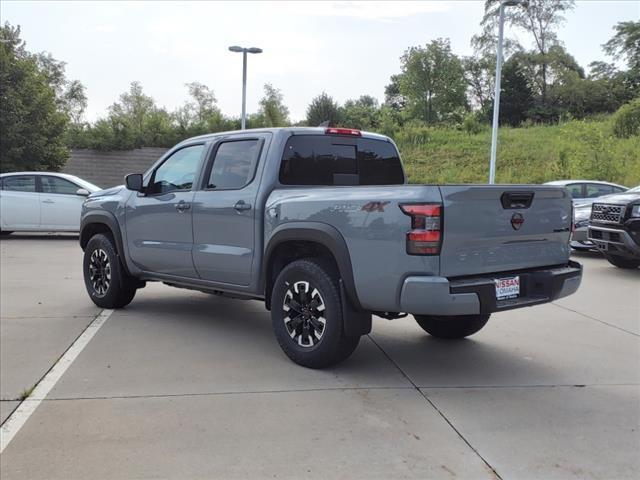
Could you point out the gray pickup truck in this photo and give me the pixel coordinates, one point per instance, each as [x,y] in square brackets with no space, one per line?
[322,226]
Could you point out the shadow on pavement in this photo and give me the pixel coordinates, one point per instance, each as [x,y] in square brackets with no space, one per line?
[247,325]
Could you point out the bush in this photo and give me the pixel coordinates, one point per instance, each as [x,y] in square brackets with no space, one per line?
[626,121]
[471,125]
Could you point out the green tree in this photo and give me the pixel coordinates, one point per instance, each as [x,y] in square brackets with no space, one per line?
[32,125]
[479,75]
[363,113]
[204,101]
[200,114]
[432,80]
[132,113]
[392,96]
[541,19]
[323,109]
[626,43]
[564,87]
[516,96]
[70,94]
[626,121]
[74,100]
[273,112]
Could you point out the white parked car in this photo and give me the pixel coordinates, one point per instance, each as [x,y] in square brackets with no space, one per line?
[41,201]
[584,192]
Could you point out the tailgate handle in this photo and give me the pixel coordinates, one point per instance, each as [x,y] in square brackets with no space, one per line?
[516,200]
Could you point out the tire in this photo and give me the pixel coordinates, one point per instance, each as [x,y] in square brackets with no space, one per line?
[622,262]
[5,232]
[311,287]
[110,286]
[453,327]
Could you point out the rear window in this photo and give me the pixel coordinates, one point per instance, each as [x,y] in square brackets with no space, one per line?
[337,160]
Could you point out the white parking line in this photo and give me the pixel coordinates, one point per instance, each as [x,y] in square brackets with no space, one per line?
[18,418]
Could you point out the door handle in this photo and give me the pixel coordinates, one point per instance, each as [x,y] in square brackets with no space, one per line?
[181,206]
[241,206]
[48,201]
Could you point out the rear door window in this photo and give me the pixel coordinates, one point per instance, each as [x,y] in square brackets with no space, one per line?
[234,164]
[575,189]
[19,183]
[336,160]
[595,190]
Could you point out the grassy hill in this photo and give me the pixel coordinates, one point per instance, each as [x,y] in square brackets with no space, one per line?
[584,149]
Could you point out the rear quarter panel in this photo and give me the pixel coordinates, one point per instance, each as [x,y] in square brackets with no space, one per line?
[373,227]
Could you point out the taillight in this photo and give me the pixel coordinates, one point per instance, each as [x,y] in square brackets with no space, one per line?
[343,131]
[425,236]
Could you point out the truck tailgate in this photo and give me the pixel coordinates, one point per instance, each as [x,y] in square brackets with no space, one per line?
[499,228]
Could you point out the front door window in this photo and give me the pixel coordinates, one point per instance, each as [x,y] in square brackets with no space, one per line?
[178,172]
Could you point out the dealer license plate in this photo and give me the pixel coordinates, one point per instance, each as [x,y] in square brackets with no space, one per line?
[507,288]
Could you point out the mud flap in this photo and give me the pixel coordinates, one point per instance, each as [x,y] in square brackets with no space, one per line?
[356,322]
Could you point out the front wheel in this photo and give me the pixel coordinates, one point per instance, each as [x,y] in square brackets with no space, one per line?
[306,313]
[452,327]
[106,282]
[622,262]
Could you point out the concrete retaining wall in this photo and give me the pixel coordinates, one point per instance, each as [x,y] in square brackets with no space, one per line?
[107,169]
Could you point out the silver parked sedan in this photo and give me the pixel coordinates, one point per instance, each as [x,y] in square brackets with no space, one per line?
[586,191]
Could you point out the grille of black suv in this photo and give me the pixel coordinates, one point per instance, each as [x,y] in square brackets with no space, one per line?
[607,213]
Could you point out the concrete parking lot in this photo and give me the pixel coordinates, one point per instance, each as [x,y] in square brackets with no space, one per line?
[186,385]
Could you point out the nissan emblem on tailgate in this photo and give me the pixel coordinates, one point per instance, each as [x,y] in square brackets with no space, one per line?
[517,220]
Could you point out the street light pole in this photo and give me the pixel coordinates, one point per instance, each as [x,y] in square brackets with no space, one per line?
[496,95]
[244,51]
[244,91]
[496,99]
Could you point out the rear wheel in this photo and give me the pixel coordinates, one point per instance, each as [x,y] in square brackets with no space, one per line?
[306,313]
[622,262]
[106,281]
[452,327]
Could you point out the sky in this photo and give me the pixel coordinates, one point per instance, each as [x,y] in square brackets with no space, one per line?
[346,49]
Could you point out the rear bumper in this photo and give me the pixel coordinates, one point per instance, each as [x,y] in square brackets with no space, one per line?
[476,295]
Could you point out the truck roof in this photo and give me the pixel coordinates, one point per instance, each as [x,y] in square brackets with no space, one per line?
[289,130]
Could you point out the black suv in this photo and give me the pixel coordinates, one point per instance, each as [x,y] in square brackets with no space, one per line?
[614,227]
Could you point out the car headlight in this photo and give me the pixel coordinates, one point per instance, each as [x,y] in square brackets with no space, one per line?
[635,211]
[581,214]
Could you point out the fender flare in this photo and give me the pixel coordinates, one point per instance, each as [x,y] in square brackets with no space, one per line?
[323,234]
[105,218]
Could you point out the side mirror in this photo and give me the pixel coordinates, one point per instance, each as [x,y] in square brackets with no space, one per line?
[133,181]
[83,192]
